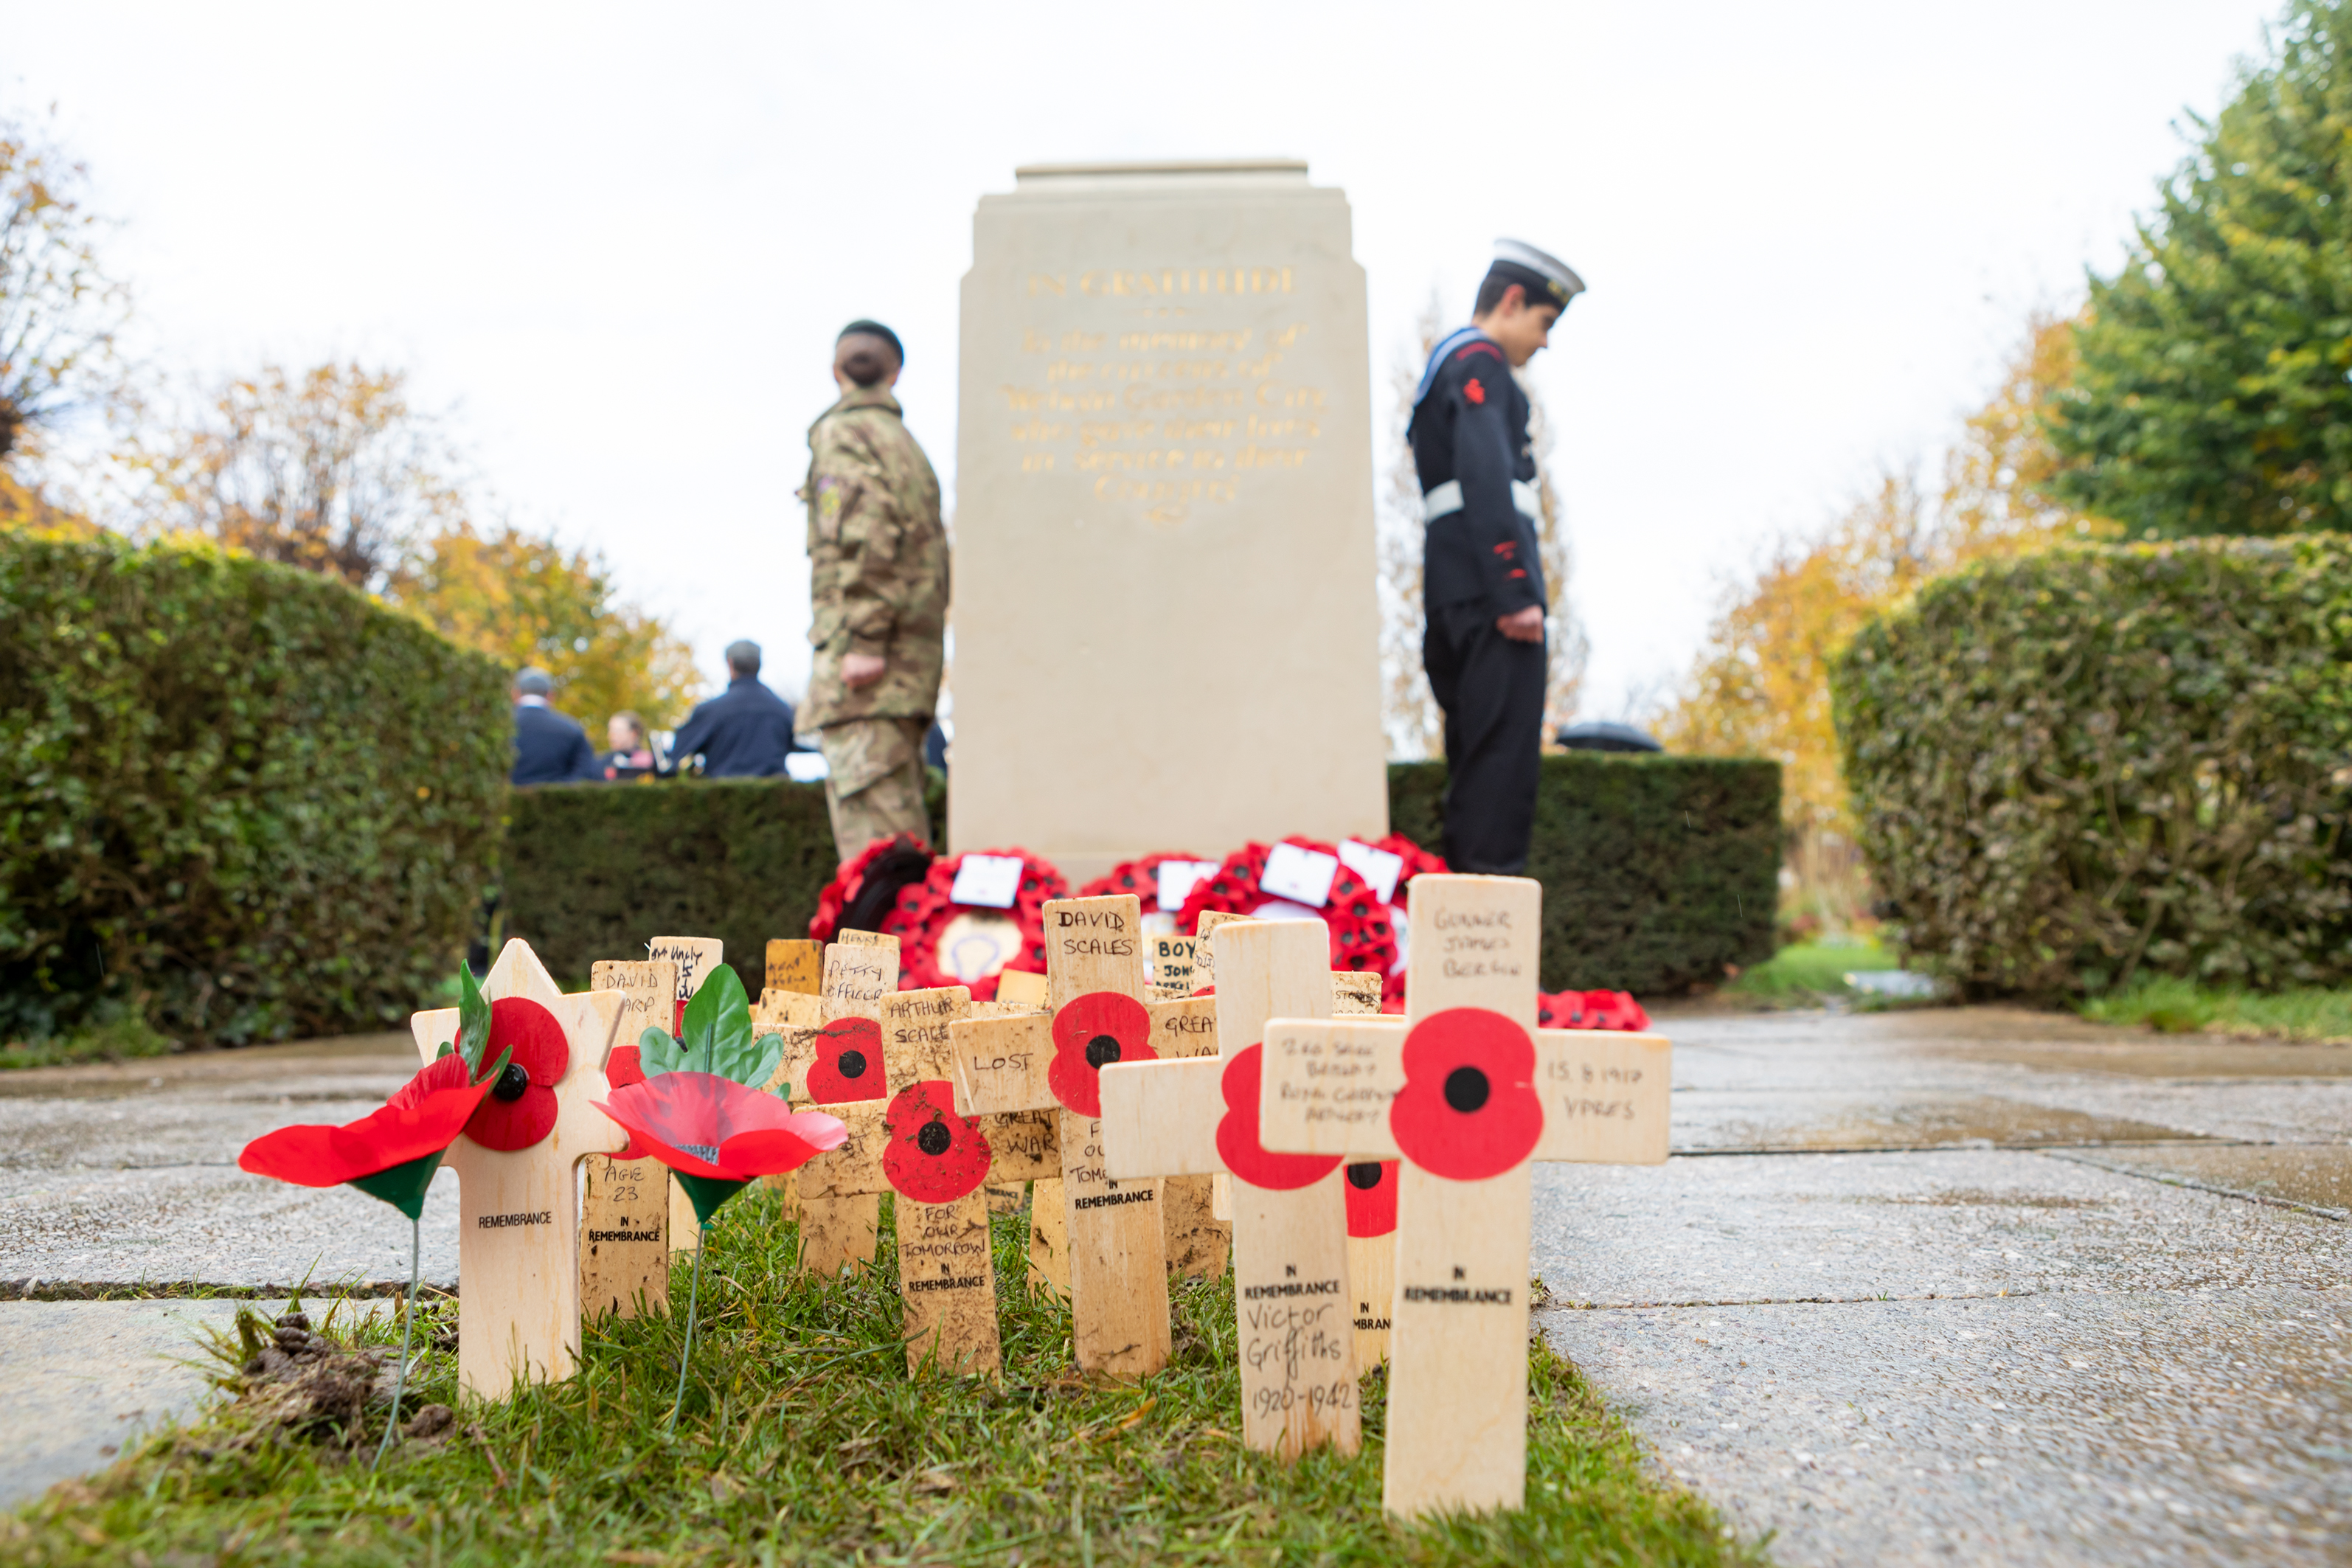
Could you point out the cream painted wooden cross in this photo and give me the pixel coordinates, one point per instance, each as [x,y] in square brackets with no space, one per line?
[1466,1093]
[518,1223]
[1039,1061]
[1295,1331]
[625,1209]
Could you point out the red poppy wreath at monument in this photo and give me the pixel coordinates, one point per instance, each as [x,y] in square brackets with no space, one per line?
[1362,937]
[1140,878]
[926,914]
[836,895]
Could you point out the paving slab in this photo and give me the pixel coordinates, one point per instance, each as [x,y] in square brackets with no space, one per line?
[2131,1427]
[2314,1176]
[1766,1228]
[87,1378]
[1818,1120]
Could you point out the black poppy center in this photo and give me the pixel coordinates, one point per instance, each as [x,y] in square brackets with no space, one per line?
[934,1139]
[852,1064]
[1466,1090]
[1101,1050]
[511,1083]
[1364,1177]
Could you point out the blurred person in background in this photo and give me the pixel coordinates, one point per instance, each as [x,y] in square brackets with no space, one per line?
[627,758]
[549,748]
[744,732]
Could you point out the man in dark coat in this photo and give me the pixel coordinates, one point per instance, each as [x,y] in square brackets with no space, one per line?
[1482,572]
[744,732]
[549,747]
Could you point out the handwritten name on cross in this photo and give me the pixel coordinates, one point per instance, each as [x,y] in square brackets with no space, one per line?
[518,1223]
[695,958]
[1052,1061]
[625,1208]
[1291,1293]
[1465,1092]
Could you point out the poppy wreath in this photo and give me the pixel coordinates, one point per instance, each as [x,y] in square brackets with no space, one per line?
[1468,1110]
[1140,878]
[934,1155]
[1361,937]
[1371,1198]
[1237,1135]
[1094,1031]
[834,897]
[1416,861]
[924,909]
[1589,1010]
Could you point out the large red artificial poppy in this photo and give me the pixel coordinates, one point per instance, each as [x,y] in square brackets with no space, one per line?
[934,1155]
[1094,1031]
[1237,1135]
[1589,1010]
[700,1124]
[1372,1197]
[1469,1108]
[848,1062]
[520,1109]
[418,1123]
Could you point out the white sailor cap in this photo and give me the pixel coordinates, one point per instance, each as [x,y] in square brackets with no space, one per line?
[1543,275]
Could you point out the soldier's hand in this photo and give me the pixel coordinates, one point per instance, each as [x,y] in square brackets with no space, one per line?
[862,668]
[1519,626]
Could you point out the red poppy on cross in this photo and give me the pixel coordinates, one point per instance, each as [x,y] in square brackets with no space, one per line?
[1466,1093]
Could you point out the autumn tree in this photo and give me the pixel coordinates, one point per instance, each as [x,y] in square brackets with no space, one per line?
[1759,686]
[1409,713]
[523,599]
[2215,394]
[329,469]
[58,313]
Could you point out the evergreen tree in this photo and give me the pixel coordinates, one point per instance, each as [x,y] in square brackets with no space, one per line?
[2215,388]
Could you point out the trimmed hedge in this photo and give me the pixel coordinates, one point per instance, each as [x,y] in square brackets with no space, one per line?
[1657,871]
[244,798]
[2076,767]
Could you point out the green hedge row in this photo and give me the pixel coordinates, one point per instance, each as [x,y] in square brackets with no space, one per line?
[244,798]
[1657,871]
[2075,767]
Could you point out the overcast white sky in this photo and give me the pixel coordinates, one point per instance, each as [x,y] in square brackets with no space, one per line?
[619,240]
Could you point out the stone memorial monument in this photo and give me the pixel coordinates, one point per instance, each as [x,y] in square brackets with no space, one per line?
[1166,630]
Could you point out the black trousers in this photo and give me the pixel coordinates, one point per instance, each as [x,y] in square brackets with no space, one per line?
[1491,691]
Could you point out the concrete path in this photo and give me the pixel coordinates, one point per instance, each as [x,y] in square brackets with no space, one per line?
[85,1378]
[1980,1285]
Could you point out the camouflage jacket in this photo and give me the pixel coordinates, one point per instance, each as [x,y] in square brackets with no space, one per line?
[878,562]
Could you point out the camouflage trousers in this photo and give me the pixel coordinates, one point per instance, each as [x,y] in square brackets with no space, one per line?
[874,779]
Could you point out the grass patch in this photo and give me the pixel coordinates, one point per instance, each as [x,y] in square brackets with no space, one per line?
[1807,974]
[117,1034]
[802,1440]
[2172,1006]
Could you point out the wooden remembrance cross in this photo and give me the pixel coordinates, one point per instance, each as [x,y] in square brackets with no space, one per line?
[1466,1092]
[1292,1298]
[518,1226]
[625,1209]
[1051,1061]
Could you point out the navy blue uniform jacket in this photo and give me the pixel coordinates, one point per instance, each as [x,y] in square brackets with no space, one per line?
[1471,427]
[552,749]
[742,733]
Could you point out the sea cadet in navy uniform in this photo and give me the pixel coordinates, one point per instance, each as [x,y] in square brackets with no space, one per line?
[1482,579]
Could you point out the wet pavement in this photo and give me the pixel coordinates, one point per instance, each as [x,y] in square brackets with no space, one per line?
[1980,1285]
[126,1175]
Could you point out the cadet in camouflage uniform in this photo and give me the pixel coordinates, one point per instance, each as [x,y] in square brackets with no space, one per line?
[878,585]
